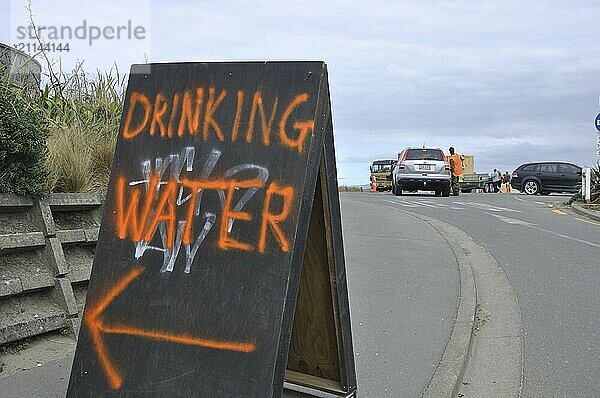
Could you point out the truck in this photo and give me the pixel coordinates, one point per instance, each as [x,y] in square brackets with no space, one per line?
[381,174]
[471,180]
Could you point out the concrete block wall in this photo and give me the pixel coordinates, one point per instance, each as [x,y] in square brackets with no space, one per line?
[46,252]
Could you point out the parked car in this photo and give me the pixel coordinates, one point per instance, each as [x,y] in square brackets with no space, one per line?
[545,177]
[421,168]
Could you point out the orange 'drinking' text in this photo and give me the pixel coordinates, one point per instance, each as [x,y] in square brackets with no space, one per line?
[137,217]
[194,113]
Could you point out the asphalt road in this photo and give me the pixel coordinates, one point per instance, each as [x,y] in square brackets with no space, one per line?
[403,285]
[552,259]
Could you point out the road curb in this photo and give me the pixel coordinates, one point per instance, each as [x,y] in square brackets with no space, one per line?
[584,212]
[484,354]
[448,375]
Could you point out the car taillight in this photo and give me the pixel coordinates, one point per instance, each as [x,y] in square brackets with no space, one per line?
[446,166]
[514,175]
[401,166]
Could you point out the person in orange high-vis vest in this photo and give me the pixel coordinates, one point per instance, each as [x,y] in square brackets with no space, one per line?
[456,169]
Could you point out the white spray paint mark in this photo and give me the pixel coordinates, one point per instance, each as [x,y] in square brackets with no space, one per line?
[176,161]
[209,220]
[170,255]
[207,169]
[263,175]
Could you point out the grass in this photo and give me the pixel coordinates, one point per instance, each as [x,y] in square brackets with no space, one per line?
[78,160]
[84,112]
[595,185]
[594,188]
[350,188]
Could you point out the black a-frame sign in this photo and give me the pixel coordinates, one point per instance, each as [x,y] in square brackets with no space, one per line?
[219,269]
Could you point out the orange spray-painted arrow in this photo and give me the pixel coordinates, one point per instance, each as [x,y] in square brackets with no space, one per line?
[97,328]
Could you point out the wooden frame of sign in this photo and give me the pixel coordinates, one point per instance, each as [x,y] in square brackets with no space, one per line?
[321,355]
[219,269]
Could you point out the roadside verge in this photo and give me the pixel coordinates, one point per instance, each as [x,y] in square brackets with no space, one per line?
[594,215]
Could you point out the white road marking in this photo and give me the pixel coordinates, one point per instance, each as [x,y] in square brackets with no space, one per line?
[534,226]
[540,203]
[415,203]
[440,205]
[401,203]
[487,207]
[491,211]
[424,204]
[496,208]
[509,220]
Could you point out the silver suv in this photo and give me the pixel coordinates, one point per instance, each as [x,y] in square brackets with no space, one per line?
[422,168]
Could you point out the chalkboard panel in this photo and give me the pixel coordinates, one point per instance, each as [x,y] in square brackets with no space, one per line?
[200,252]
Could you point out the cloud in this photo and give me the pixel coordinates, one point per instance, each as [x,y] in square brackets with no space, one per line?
[502,80]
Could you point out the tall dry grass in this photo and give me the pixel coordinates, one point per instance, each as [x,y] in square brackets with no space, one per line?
[78,160]
[84,111]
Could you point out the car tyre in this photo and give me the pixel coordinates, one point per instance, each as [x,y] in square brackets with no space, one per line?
[446,192]
[531,187]
[396,190]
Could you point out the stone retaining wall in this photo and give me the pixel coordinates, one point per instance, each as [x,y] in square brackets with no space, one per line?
[46,252]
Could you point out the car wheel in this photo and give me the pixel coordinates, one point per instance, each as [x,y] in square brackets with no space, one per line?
[396,190]
[446,192]
[531,187]
[486,188]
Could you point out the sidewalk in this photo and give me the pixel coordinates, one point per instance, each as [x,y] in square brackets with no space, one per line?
[403,284]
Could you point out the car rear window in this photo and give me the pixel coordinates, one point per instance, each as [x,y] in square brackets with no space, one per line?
[424,154]
[569,168]
[529,167]
[380,168]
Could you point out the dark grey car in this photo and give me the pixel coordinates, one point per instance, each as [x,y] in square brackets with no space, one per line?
[545,177]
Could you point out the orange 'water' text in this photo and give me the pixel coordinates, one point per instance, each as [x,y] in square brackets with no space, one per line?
[139,211]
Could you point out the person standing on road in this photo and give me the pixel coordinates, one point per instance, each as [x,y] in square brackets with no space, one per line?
[495,181]
[456,169]
[499,181]
[507,181]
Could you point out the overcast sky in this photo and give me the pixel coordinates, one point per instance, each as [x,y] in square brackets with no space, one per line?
[508,82]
